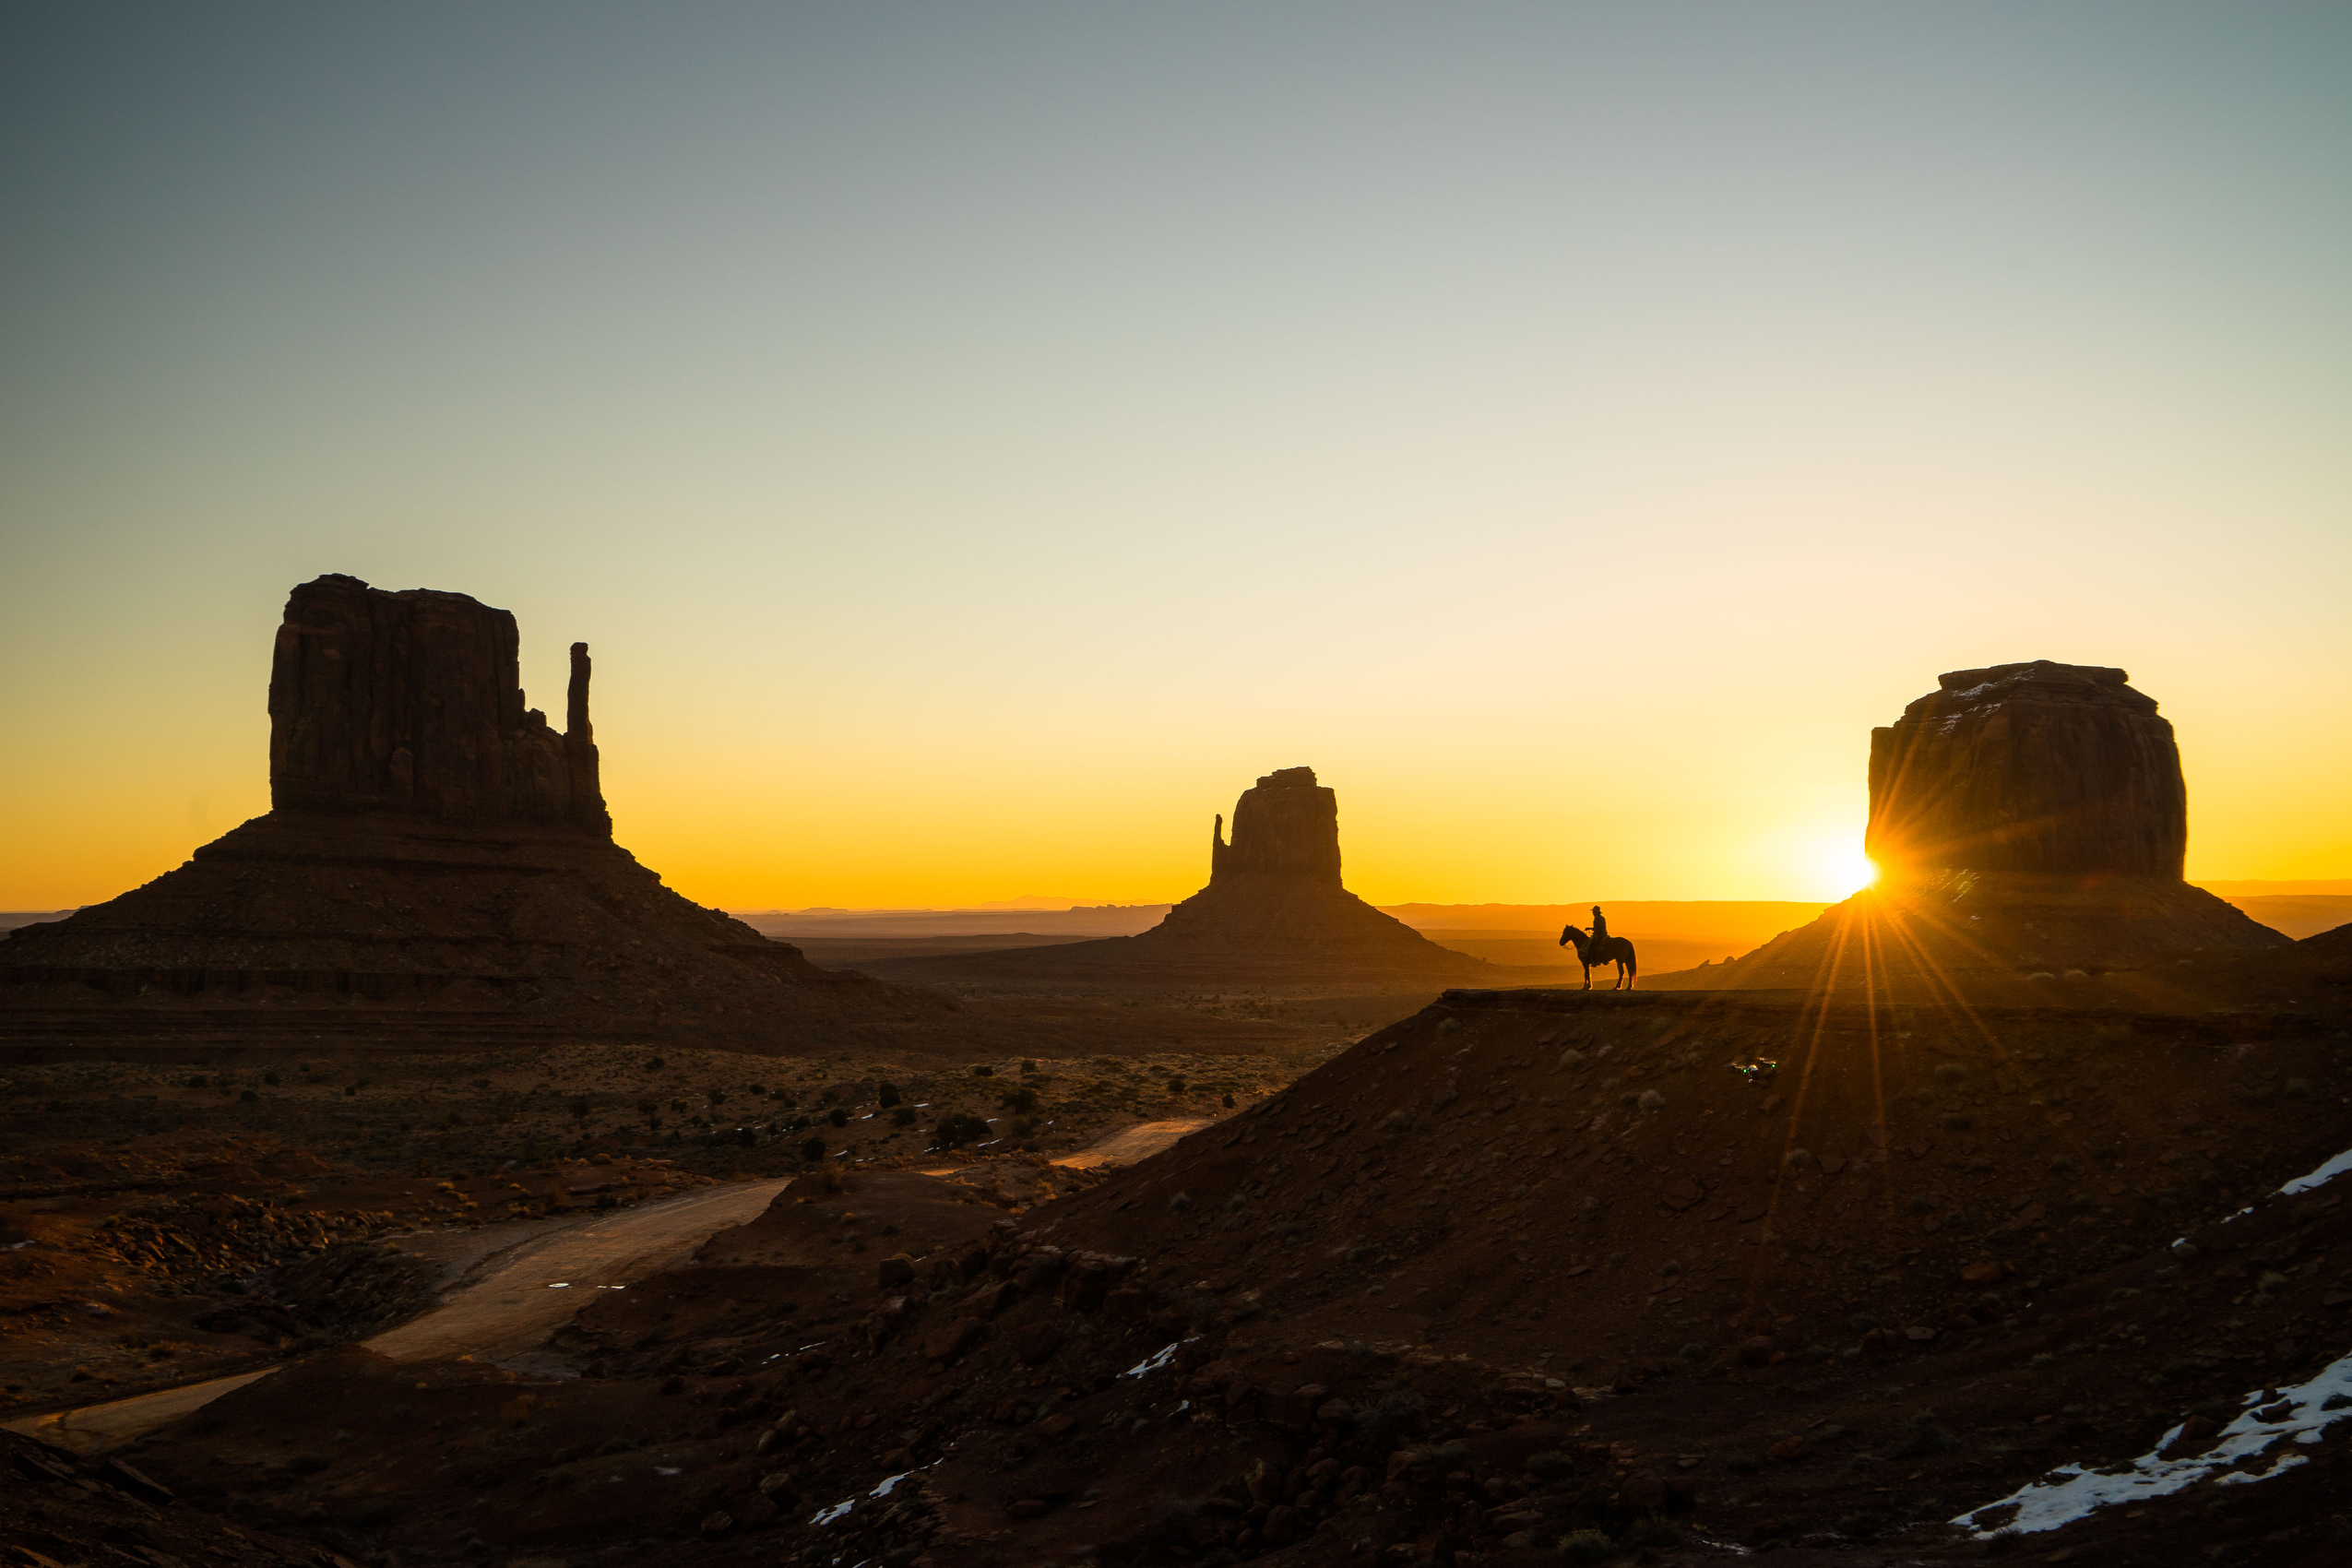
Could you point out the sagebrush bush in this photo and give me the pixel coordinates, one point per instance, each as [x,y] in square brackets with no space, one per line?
[1587,1546]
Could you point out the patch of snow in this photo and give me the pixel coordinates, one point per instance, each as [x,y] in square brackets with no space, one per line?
[663,1470]
[827,1516]
[2072,1492]
[2325,1173]
[561,1285]
[1154,1362]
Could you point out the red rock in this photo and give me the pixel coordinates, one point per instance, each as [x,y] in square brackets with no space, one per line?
[2037,767]
[411,702]
[1126,1305]
[951,1339]
[1643,1492]
[1028,1507]
[1786,1448]
[1756,1352]
[756,1512]
[1033,1342]
[1282,1524]
[900,1270]
[714,1525]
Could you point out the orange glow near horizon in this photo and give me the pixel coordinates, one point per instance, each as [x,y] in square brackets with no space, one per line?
[976,443]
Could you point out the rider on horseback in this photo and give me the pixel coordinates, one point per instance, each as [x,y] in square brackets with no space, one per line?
[1600,925]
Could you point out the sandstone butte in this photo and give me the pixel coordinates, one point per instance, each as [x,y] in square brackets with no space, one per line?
[1274,911]
[438,863]
[2030,824]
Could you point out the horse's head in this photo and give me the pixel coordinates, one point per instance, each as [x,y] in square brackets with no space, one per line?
[1572,934]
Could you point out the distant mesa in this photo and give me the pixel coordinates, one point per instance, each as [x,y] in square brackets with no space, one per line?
[2030,824]
[437,861]
[1274,909]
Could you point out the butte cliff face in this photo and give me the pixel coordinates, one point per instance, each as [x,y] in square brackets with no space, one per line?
[438,860]
[412,703]
[2030,823]
[2037,769]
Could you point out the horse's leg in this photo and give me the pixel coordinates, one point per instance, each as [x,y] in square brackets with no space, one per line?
[1588,972]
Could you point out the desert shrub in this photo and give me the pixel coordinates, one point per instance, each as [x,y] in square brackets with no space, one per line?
[1861,1323]
[374,1512]
[1923,1095]
[2043,1359]
[1798,1158]
[983,1071]
[1229,1104]
[1587,1546]
[1921,1205]
[249,1096]
[272,1078]
[1951,1072]
[886,1094]
[1696,1351]
[2298,1088]
[1651,1101]
[837,1117]
[1956,1120]
[1178,1203]
[1175,1086]
[655,1064]
[902,1116]
[307,1464]
[1570,1060]
[956,1130]
[2064,1165]
[813,1149]
[1021,1101]
[1549,1466]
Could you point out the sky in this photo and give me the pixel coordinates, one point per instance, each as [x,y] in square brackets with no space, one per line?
[977,440]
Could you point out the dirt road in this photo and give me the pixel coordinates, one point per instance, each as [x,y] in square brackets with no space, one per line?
[505,1288]
[1138,1142]
[504,1298]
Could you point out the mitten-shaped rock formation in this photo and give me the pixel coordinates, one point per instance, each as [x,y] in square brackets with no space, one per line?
[412,703]
[2037,767]
[438,863]
[1274,909]
[2029,823]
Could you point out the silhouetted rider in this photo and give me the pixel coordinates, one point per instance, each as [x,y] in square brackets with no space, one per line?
[1600,925]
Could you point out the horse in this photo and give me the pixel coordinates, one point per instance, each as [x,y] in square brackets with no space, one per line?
[1608,950]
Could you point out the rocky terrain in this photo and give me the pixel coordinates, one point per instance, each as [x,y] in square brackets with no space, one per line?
[1532,1276]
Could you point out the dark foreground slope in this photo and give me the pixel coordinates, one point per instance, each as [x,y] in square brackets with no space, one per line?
[1532,1268]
